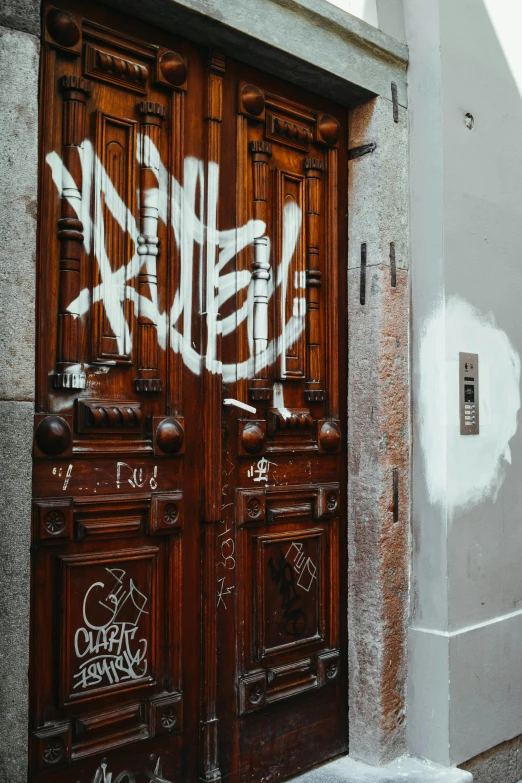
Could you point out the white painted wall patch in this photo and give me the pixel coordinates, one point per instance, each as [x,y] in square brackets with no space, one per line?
[460,471]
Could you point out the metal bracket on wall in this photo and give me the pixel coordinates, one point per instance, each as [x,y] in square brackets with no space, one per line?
[364,149]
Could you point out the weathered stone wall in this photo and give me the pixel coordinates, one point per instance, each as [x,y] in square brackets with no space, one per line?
[378,432]
[19,49]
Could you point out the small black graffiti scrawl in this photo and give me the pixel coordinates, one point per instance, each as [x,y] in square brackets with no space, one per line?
[282,574]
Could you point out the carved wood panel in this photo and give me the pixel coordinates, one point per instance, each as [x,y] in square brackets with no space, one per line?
[112,644]
[288,554]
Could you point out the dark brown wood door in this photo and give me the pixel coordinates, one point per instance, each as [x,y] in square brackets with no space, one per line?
[281,546]
[188,554]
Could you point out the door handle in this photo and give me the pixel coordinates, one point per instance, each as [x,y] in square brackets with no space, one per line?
[230,402]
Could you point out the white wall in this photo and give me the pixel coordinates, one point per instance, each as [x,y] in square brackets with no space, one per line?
[466,222]
[387,15]
[364,9]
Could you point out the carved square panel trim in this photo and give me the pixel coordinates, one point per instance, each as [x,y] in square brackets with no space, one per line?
[52,745]
[166,714]
[328,667]
[251,506]
[252,692]
[53,519]
[328,501]
[166,514]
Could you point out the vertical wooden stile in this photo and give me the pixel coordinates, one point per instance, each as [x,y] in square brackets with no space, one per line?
[313,172]
[68,373]
[209,764]
[151,115]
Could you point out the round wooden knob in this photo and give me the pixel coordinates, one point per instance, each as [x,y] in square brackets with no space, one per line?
[53,435]
[253,438]
[253,100]
[328,128]
[62,27]
[170,436]
[173,68]
[330,436]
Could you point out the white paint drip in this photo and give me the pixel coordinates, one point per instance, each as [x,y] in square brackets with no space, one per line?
[279,399]
[465,470]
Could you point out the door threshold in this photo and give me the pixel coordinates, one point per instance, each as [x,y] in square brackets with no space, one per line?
[405,769]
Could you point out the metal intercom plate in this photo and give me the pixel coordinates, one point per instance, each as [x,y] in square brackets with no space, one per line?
[469,393]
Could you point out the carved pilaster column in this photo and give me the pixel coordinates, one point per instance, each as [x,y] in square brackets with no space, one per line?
[261,151]
[68,373]
[313,172]
[151,115]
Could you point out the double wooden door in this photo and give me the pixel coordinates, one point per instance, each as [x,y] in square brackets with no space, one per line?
[189,567]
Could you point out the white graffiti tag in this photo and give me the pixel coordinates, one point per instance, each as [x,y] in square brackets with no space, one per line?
[109,651]
[102,774]
[259,472]
[304,566]
[191,210]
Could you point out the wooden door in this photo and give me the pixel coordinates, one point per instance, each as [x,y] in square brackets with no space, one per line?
[187,580]
[281,568]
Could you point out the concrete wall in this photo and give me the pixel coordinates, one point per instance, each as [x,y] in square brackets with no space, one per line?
[18,207]
[466,187]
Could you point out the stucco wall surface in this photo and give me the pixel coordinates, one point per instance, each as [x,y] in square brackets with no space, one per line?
[467,492]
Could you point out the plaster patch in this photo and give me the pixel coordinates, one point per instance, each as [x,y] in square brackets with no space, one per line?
[464,470]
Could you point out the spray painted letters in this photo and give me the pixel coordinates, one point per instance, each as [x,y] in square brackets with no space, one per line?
[110,651]
[192,235]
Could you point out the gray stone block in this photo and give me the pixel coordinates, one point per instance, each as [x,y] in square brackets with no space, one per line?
[21,15]
[378,185]
[18,212]
[16,434]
